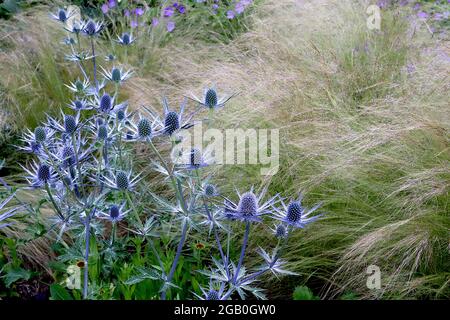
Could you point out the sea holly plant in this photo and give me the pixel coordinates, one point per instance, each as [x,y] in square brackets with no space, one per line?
[85,167]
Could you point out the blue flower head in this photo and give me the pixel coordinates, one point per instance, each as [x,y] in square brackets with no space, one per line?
[211,99]
[125,39]
[295,215]
[92,28]
[250,207]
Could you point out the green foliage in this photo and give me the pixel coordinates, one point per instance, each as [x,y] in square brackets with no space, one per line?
[9,7]
[304,293]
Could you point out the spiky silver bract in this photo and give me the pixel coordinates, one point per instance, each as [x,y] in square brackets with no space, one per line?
[7,211]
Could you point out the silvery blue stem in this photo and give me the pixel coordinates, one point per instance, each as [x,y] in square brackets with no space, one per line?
[95,65]
[87,225]
[244,247]
[216,235]
[177,257]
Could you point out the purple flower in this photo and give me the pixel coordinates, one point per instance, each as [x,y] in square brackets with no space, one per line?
[126,13]
[168,11]
[155,22]
[410,68]
[382,3]
[422,14]
[139,11]
[175,4]
[230,14]
[416,6]
[134,24]
[239,8]
[181,9]
[170,26]
[105,8]
[438,16]
[111,3]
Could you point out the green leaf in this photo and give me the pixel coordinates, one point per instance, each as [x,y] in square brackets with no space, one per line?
[304,293]
[58,292]
[13,275]
[142,275]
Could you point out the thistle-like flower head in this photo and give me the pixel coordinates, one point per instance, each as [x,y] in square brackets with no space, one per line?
[78,56]
[144,129]
[40,134]
[117,75]
[211,99]
[209,190]
[39,175]
[75,27]
[79,87]
[175,121]
[250,207]
[122,180]
[125,39]
[80,104]
[193,159]
[35,140]
[279,230]
[91,28]
[61,15]
[214,292]
[295,215]
[115,213]
[69,126]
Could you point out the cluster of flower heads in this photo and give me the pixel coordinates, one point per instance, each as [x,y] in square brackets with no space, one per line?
[169,10]
[82,157]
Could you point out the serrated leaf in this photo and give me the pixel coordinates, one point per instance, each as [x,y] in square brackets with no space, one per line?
[58,292]
[13,275]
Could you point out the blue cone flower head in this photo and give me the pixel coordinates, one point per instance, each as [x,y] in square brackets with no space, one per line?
[79,87]
[122,181]
[194,159]
[250,207]
[115,213]
[61,15]
[91,28]
[211,98]
[69,126]
[125,39]
[295,215]
[117,75]
[214,292]
[35,140]
[175,121]
[39,175]
[210,190]
[80,104]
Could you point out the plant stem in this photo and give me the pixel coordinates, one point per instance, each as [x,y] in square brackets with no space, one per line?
[136,214]
[177,258]
[54,202]
[87,225]
[113,234]
[244,247]
[94,65]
